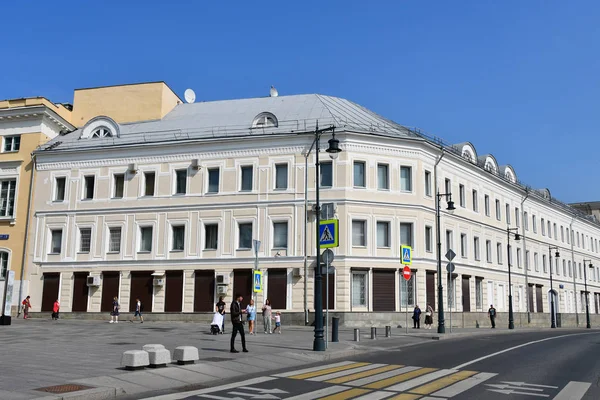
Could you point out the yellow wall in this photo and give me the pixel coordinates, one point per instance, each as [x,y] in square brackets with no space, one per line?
[125,103]
[37,101]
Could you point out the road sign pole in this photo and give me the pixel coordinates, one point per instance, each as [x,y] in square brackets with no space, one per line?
[406,294]
[449,304]
[327,306]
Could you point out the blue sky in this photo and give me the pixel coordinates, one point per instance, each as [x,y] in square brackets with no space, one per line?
[519,79]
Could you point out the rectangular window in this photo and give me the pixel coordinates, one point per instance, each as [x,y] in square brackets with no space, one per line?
[476,248]
[119,186]
[280,235]
[498,211]
[359,289]
[549,230]
[517,218]
[12,143]
[281,176]
[55,241]
[85,240]
[534,223]
[499,252]
[555,231]
[488,251]
[427,183]
[406,179]
[406,234]
[149,178]
[564,268]
[145,238]
[451,292]
[509,256]
[568,237]
[463,245]
[213,180]
[448,185]
[211,236]
[7,197]
[428,246]
[178,238]
[181,181]
[475,201]
[88,187]
[562,234]
[59,189]
[570,269]
[358,233]
[448,239]
[245,235]
[478,294]
[3,264]
[507,213]
[359,174]
[525,221]
[487,205]
[543,227]
[246,178]
[114,241]
[383,178]
[536,263]
[326,172]
[383,234]
[544,265]
[461,195]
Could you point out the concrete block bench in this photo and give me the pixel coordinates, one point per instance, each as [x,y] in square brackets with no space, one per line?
[148,347]
[135,359]
[159,357]
[186,355]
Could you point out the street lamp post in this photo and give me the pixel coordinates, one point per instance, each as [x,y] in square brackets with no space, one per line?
[333,150]
[450,208]
[511,319]
[587,302]
[557,254]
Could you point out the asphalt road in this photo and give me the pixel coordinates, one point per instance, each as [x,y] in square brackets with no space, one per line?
[558,364]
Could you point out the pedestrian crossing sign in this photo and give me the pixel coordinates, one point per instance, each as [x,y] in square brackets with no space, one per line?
[328,233]
[406,252]
[257,281]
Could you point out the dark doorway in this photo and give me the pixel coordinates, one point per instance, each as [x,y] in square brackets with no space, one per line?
[538,298]
[530,297]
[50,291]
[466,293]
[430,288]
[277,288]
[80,292]
[110,289]
[331,291]
[242,284]
[204,290]
[142,288]
[384,290]
[174,291]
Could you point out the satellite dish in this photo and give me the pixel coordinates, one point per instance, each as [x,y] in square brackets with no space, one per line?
[190,96]
[273,92]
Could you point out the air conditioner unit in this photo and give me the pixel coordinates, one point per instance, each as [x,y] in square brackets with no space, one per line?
[93,281]
[133,168]
[221,290]
[195,164]
[297,272]
[222,279]
[158,282]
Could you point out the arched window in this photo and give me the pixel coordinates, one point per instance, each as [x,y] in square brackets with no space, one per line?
[3,264]
[101,132]
[265,120]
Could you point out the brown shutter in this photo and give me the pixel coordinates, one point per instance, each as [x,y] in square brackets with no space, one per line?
[466,294]
[540,303]
[242,284]
[80,292]
[277,288]
[384,290]
[530,297]
[142,288]
[110,289]
[430,288]
[204,290]
[174,291]
[50,290]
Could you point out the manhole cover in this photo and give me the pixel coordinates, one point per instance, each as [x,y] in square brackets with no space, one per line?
[216,359]
[69,387]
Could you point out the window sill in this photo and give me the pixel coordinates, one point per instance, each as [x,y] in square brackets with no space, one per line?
[244,249]
[54,254]
[116,198]
[176,251]
[58,201]
[383,247]
[354,246]
[406,191]
[215,249]
[359,187]
[83,252]
[144,252]
[113,252]
[9,151]
[428,251]
[279,248]
[211,193]
[383,189]
[326,187]
[179,194]
[280,189]
[90,199]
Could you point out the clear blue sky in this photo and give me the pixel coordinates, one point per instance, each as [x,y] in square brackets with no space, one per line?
[519,79]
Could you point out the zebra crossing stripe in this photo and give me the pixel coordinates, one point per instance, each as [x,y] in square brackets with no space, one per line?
[465,385]
[443,382]
[359,375]
[348,394]
[407,385]
[406,396]
[312,369]
[328,371]
[399,378]
[379,377]
[345,373]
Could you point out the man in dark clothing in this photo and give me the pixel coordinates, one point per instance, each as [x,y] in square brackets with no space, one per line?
[221,310]
[236,319]
[492,315]
[417,318]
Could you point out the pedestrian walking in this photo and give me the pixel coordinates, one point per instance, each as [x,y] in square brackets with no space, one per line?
[138,311]
[236,320]
[277,319]
[114,314]
[492,315]
[416,318]
[26,307]
[428,316]
[220,308]
[251,313]
[266,313]
[55,310]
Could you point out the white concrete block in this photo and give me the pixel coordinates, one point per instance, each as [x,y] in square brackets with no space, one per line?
[186,355]
[148,347]
[159,357]
[135,359]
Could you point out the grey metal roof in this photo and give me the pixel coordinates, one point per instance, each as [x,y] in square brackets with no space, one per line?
[231,118]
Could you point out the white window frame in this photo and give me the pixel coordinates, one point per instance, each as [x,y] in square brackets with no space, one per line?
[427,178]
[365,274]
[145,183]
[114,185]
[287,181]
[139,238]
[219,185]
[388,233]
[387,177]
[174,175]
[365,181]
[288,236]
[410,178]
[108,242]
[84,186]
[12,146]
[79,239]
[365,230]
[173,225]
[239,232]
[55,188]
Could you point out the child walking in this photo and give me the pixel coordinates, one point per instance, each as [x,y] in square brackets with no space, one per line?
[114,314]
[277,319]
[55,310]
[138,310]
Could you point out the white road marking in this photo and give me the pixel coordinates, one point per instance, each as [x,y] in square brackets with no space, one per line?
[376,395]
[177,396]
[518,347]
[319,393]
[464,385]
[313,369]
[378,377]
[573,391]
[508,387]
[508,391]
[404,386]
[529,384]
[346,372]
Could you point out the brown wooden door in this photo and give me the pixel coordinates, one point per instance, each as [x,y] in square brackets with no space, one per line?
[110,289]
[331,291]
[430,288]
[50,290]
[530,297]
[142,288]
[277,288]
[204,290]
[242,285]
[80,291]
[384,290]
[538,298]
[466,294]
[174,291]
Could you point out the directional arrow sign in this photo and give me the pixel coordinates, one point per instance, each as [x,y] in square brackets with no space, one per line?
[529,384]
[450,255]
[270,391]
[505,386]
[515,392]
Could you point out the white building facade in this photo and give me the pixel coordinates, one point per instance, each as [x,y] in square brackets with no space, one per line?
[167,211]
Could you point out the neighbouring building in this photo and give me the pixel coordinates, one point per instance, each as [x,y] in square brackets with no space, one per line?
[590,208]
[167,209]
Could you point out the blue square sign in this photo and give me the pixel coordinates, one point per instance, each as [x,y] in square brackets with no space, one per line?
[328,233]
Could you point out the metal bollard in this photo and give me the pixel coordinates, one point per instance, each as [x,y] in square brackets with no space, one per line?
[357,335]
[388,331]
[373,332]
[335,324]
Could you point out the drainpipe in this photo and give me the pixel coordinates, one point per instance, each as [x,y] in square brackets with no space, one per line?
[26,241]
[574,273]
[306,232]
[525,253]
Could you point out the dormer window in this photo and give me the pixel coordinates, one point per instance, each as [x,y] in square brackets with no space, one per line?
[100,127]
[101,132]
[265,120]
